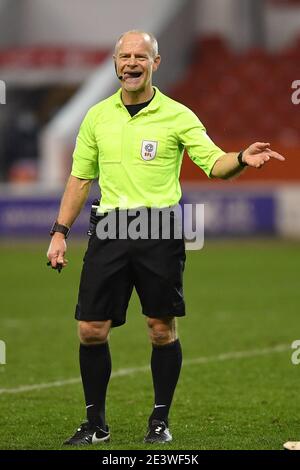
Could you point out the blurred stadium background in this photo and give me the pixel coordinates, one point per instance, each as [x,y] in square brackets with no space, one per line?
[236,64]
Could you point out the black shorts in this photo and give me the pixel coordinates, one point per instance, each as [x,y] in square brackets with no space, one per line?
[112,267]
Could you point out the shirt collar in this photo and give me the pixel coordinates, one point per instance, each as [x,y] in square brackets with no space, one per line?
[152,106]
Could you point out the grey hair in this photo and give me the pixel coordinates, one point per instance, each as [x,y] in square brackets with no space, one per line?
[153,40]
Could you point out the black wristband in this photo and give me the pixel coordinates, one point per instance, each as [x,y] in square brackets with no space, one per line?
[240,160]
[56,227]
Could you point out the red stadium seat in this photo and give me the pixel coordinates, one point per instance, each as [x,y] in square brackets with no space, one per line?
[244,97]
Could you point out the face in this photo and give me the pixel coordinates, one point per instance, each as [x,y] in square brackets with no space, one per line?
[135,62]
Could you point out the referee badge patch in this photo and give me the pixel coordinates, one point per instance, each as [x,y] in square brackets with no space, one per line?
[149,149]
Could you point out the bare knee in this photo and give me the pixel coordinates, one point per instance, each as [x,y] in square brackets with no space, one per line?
[93,332]
[162,331]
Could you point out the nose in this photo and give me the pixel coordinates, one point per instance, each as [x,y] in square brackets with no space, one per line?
[132,61]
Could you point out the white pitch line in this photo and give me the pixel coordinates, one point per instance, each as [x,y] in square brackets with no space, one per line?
[239,354]
[135,370]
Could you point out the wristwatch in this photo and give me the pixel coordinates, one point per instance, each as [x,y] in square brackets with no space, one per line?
[56,227]
[240,160]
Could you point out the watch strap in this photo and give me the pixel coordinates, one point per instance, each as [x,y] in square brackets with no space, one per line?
[240,160]
[56,227]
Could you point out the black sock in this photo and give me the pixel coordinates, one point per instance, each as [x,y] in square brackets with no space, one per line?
[165,365]
[95,367]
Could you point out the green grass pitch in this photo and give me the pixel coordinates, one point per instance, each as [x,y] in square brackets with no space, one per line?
[238,388]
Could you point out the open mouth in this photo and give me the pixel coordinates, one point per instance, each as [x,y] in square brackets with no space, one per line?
[132,75]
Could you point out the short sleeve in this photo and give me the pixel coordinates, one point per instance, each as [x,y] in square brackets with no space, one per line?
[85,156]
[200,148]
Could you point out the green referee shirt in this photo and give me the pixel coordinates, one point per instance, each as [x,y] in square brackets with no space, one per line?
[138,159]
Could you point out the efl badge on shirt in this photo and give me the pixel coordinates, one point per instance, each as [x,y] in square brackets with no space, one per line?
[149,149]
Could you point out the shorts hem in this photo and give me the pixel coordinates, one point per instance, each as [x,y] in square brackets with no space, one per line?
[114,323]
[163,315]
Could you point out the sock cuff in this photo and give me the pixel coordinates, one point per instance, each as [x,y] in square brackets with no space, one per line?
[98,347]
[166,347]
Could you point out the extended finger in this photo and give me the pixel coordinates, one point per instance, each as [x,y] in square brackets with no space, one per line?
[276,155]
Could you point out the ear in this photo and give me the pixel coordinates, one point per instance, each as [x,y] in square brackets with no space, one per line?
[156,63]
[115,64]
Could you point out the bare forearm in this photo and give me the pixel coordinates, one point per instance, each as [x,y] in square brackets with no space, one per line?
[227,166]
[255,156]
[74,198]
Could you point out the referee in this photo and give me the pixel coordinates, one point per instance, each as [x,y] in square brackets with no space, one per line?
[133,142]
